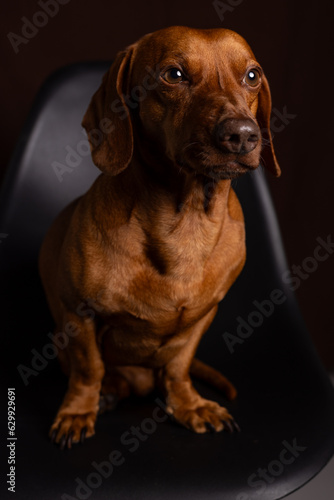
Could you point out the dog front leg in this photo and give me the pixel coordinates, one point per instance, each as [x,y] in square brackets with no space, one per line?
[76,416]
[184,403]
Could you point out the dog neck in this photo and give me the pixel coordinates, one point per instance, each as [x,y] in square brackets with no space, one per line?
[185,189]
[181,215]
[181,190]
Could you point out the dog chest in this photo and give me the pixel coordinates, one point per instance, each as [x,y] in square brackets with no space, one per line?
[146,294]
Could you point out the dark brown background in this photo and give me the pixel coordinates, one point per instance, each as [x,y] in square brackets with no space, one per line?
[292,40]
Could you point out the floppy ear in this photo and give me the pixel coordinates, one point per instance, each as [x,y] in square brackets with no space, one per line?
[263,119]
[107,120]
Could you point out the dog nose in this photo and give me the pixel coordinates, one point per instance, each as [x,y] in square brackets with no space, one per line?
[235,135]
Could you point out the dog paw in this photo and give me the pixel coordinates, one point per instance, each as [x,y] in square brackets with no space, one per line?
[69,429]
[208,416]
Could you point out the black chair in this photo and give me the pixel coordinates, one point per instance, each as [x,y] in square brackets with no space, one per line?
[285,406]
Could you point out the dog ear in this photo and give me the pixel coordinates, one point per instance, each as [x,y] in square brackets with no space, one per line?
[263,119]
[107,120]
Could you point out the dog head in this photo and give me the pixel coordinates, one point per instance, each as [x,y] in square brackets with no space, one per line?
[196,99]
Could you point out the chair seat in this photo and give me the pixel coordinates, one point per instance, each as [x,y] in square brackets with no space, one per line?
[285,403]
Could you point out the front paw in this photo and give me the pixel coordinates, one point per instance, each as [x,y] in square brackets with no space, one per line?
[68,429]
[205,416]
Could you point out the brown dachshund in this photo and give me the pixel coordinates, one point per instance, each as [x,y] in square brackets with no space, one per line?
[134,269]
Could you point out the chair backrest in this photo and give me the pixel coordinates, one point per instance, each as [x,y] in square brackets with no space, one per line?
[51,165]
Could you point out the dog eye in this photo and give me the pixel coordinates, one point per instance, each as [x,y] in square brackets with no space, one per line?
[253,77]
[173,75]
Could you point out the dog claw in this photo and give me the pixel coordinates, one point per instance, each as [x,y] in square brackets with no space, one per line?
[228,426]
[236,426]
[210,427]
[83,434]
[63,442]
[70,440]
[53,435]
